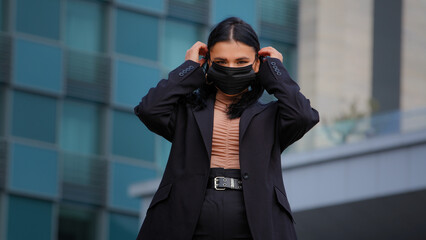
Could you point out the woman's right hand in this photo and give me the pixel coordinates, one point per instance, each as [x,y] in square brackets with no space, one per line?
[197,50]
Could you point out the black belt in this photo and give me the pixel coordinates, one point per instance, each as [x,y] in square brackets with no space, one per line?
[222,183]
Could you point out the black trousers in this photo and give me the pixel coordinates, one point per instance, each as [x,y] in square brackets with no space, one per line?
[223,215]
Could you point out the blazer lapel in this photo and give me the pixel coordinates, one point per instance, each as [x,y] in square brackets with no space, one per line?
[246,117]
[204,118]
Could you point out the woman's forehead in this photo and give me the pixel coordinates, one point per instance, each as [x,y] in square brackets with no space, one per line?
[231,50]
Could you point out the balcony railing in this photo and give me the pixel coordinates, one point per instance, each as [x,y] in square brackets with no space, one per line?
[5,57]
[84,178]
[3,163]
[88,75]
[355,130]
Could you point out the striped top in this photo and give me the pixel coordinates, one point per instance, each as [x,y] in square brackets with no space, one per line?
[225,142]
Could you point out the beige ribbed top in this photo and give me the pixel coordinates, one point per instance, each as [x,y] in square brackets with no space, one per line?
[225,142]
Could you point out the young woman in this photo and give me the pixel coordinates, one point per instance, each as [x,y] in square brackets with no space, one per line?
[223,178]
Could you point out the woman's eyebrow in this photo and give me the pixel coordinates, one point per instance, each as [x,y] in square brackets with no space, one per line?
[238,59]
[243,58]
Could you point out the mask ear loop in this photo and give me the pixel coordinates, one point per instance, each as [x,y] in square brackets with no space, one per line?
[256,58]
[207,57]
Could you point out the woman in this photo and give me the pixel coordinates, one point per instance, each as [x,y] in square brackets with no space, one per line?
[223,178]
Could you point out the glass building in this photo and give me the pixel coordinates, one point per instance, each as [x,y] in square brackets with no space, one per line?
[71,72]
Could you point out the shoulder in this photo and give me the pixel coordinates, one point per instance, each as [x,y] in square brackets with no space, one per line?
[262,106]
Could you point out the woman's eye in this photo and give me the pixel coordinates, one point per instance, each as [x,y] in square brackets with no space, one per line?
[241,62]
[220,62]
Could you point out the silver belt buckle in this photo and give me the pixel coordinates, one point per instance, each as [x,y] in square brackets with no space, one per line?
[215,183]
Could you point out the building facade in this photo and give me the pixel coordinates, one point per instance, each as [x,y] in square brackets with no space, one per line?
[360,173]
[71,72]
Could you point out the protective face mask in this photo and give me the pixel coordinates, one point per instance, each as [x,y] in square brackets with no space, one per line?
[231,80]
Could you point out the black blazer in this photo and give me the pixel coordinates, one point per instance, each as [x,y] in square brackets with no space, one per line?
[265,131]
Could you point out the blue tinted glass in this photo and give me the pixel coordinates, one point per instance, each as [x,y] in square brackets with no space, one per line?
[81,127]
[163,153]
[131,138]
[132,82]
[34,170]
[77,223]
[272,11]
[29,219]
[80,170]
[124,175]
[2,15]
[2,106]
[279,12]
[34,116]
[136,35]
[246,10]
[122,227]
[39,17]
[85,26]
[155,6]
[178,38]
[38,65]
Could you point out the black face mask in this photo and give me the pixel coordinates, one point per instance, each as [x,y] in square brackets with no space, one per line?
[231,80]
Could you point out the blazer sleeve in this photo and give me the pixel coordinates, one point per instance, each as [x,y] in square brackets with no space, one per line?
[158,107]
[295,114]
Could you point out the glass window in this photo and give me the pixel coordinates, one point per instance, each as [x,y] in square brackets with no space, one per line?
[136,35]
[41,17]
[80,170]
[85,26]
[132,82]
[124,175]
[29,219]
[178,37]
[130,137]
[77,223]
[155,6]
[34,170]
[84,178]
[193,2]
[278,20]
[38,65]
[163,152]
[5,57]
[34,117]
[88,68]
[123,227]
[191,10]
[2,15]
[222,9]
[2,210]
[278,12]
[275,12]
[81,138]
[81,127]
[3,107]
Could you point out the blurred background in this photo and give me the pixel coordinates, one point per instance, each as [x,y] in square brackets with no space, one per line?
[77,164]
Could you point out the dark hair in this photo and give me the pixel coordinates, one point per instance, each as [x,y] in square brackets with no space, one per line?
[236,29]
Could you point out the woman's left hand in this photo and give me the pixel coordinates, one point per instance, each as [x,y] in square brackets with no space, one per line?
[271,52]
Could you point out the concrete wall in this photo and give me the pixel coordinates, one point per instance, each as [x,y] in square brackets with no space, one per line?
[373,168]
[413,70]
[335,54]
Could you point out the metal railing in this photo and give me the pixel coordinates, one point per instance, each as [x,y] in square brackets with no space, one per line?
[88,75]
[3,163]
[360,129]
[5,57]
[84,178]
